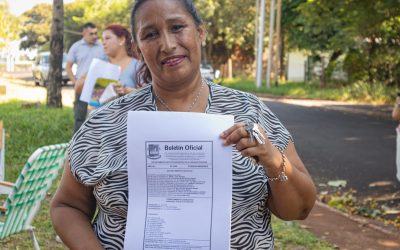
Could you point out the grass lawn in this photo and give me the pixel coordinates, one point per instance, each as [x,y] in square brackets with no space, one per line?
[28,129]
[356,92]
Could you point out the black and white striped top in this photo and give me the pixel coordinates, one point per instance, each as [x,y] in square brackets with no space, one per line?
[98,158]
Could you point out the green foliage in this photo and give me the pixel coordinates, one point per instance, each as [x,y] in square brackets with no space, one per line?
[9,24]
[29,128]
[230,25]
[358,92]
[36,25]
[100,12]
[37,21]
[72,29]
[367,32]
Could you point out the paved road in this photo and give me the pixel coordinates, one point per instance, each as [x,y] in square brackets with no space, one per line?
[333,144]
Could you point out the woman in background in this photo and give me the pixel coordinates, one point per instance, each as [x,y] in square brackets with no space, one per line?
[396,117]
[117,43]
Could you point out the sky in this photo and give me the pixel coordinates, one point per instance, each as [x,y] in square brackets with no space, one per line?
[17,7]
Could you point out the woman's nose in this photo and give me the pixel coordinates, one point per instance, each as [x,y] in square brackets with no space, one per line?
[168,43]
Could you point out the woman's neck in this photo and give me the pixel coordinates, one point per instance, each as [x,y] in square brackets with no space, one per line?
[190,96]
[121,59]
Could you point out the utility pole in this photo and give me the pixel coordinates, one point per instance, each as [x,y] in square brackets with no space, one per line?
[256,28]
[260,43]
[278,42]
[270,41]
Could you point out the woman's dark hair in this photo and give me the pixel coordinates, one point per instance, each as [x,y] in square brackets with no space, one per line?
[121,31]
[143,73]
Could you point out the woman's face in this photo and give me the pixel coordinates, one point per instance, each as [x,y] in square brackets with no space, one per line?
[169,40]
[112,43]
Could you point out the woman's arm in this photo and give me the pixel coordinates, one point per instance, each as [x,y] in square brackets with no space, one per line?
[72,209]
[79,84]
[290,199]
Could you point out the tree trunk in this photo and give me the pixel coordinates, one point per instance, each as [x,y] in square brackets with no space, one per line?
[56,56]
[283,66]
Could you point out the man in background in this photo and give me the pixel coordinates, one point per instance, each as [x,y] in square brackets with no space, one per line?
[81,53]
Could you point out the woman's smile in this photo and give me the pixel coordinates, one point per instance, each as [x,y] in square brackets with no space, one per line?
[172,61]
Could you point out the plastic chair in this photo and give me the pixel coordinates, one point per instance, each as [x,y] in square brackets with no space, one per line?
[26,194]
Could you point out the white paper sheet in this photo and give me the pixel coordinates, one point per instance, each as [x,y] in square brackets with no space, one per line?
[180,181]
[98,69]
[108,94]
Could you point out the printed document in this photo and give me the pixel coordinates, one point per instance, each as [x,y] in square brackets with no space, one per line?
[100,74]
[180,181]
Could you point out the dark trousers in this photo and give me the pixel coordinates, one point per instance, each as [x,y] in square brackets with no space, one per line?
[80,112]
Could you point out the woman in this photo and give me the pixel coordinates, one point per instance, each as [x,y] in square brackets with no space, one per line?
[117,44]
[396,117]
[268,175]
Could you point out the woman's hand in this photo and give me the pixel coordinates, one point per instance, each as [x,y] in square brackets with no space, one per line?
[79,84]
[265,154]
[122,90]
[119,88]
[292,191]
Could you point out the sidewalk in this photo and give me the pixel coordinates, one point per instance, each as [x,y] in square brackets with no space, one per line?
[27,91]
[381,111]
[348,231]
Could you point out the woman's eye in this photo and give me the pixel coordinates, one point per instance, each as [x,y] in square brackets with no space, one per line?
[177,27]
[149,35]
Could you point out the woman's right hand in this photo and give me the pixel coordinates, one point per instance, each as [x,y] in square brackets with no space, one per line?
[119,89]
[79,84]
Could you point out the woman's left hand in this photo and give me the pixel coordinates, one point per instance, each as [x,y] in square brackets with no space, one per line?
[260,149]
[292,197]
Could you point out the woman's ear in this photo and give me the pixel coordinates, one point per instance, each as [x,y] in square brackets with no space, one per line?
[121,41]
[202,33]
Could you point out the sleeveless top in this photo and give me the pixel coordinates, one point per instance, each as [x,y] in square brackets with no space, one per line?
[128,75]
[98,158]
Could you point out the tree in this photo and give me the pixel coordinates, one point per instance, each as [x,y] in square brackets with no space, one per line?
[36,25]
[56,55]
[365,32]
[100,12]
[9,24]
[72,29]
[230,29]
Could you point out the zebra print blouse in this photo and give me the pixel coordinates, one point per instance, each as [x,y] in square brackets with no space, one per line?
[97,156]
